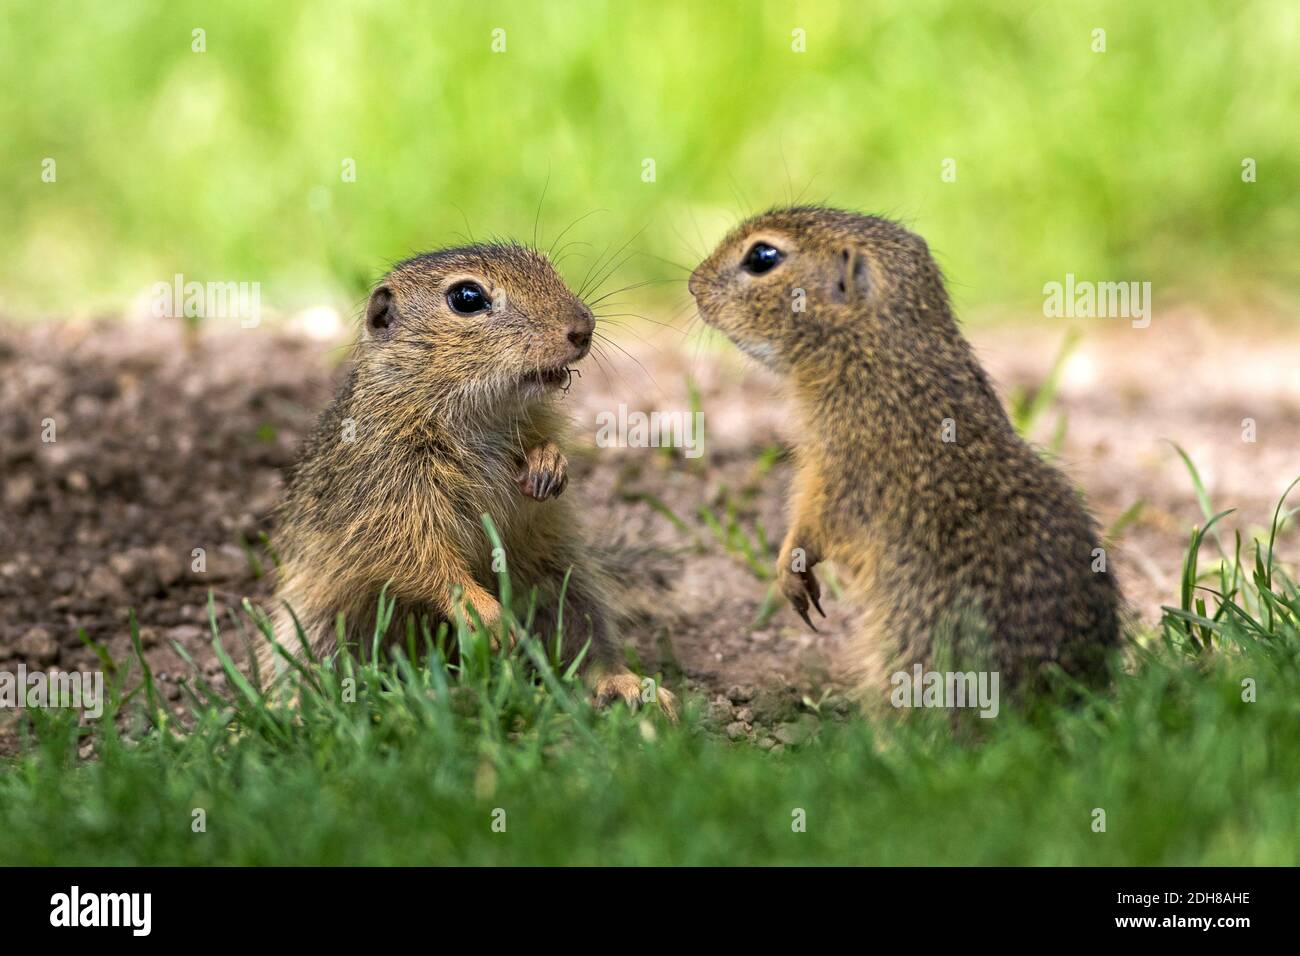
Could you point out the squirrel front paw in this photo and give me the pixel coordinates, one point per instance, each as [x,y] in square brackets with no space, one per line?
[545,473]
[800,589]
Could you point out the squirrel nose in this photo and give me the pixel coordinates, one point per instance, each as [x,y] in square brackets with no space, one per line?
[581,325]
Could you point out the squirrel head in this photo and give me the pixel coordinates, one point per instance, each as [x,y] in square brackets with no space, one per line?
[787,282]
[479,323]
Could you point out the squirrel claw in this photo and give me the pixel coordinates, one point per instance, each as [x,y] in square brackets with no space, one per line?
[802,591]
[813,590]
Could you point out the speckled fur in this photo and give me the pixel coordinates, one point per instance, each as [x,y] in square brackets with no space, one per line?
[972,554]
[447,411]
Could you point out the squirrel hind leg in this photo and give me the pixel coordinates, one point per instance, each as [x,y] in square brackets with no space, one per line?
[310,631]
[608,686]
[588,621]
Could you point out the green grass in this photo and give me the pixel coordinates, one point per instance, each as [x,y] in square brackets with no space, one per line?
[390,762]
[226,165]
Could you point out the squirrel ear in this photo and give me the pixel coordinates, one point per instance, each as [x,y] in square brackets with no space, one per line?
[381,311]
[855,277]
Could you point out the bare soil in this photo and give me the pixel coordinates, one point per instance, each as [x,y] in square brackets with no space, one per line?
[166,443]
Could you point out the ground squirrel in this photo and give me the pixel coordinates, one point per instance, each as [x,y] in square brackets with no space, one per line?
[967,550]
[449,413]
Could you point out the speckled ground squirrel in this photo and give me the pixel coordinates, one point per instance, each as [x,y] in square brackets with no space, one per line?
[966,549]
[448,413]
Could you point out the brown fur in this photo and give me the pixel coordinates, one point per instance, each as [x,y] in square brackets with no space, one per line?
[454,417]
[967,555]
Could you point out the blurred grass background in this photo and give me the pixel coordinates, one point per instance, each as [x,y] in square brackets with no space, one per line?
[226,165]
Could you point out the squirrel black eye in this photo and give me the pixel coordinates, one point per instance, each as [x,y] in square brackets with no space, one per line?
[466,298]
[762,258]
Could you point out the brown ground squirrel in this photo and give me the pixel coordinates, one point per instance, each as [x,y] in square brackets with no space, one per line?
[967,550]
[448,413]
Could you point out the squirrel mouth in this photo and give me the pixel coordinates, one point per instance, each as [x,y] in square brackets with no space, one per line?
[560,377]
